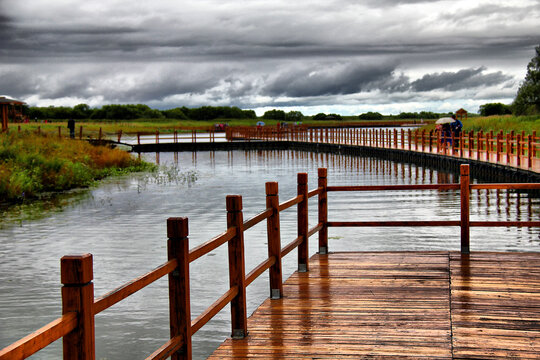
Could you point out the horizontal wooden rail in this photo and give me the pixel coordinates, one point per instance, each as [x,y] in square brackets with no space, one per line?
[133,286]
[510,186]
[167,349]
[213,309]
[257,219]
[291,246]
[315,230]
[505,223]
[289,203]
[260,269]
[395,187]
[314,192]
[40,338]
[211,245]
[392,223]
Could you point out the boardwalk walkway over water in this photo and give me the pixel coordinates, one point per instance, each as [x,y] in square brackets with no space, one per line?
[518,151]
[436,305]
[338,305]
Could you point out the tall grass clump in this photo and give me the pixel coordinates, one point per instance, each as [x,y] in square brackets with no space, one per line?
[506,123]
[32,164]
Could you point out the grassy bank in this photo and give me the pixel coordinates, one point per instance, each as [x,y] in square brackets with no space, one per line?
[31,165]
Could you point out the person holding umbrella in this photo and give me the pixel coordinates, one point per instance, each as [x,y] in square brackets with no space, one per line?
[446,130]
[456,127]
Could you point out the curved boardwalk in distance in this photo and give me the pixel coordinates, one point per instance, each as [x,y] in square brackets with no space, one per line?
[400,305]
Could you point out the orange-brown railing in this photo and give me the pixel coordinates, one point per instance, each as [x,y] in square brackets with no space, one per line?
[76,325]
[516,150]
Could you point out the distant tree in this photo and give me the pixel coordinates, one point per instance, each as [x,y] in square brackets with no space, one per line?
[319,116]
[175,113]
[428,115]
[274,114]
[527,100]
[249,114]
[81,111]
[495,109]
[370,116]
[333,117]
[294,116]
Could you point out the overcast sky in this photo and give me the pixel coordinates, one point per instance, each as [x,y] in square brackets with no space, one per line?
[347,57]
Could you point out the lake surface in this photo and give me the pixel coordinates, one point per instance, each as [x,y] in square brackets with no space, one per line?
[123,224]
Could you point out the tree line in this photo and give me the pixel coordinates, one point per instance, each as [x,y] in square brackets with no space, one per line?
[137,111]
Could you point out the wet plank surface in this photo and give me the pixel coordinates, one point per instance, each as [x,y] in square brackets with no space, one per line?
[400,305]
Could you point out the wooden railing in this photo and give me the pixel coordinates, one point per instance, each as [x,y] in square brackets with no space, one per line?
[76,325]
[174,136]
[516,150]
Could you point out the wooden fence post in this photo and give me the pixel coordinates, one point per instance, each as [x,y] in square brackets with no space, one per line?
[59,131]
[76,274]
[465,196]
[274,240]
[530,151]
[323,211]
[519,149]
[100,134]
[179,291]
[237,267]
[80,132]
[303,248]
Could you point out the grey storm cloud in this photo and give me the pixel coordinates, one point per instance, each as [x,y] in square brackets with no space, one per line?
[262,54]
[329,79]
[466,78]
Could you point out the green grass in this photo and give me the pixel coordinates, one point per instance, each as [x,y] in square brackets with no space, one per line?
[505,123]
[33,164]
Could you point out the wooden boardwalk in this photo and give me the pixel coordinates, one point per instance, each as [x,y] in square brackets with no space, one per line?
[436,305]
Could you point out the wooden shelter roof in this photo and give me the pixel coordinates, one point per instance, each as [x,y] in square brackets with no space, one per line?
[5,100]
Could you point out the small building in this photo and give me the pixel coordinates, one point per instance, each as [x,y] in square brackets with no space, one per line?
[10,108]
[460,113]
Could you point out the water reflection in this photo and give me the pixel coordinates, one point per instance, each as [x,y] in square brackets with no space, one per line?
[122,223]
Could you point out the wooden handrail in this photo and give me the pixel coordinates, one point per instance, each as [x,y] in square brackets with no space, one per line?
[40,338]
[213,309]
[291,246]
[131,287]
[392,223]
[259,269]
[167,349]
[291,202]
[395,187]
[212,244]
[257,219]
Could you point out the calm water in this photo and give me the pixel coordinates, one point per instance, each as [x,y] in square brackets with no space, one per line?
[123,224]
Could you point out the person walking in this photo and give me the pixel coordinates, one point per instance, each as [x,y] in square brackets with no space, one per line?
[456,127]
[71,127]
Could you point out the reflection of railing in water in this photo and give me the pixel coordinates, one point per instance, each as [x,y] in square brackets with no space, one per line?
[79,307]
[516,150]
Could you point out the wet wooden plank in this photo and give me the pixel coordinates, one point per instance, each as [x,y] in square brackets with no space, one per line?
[351,305]
[496,305]
[401,305]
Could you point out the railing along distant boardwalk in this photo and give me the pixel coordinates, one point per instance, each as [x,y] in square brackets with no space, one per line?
[512,149]
[79,307]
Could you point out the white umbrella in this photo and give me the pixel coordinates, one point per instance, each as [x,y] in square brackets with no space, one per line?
[445,120]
